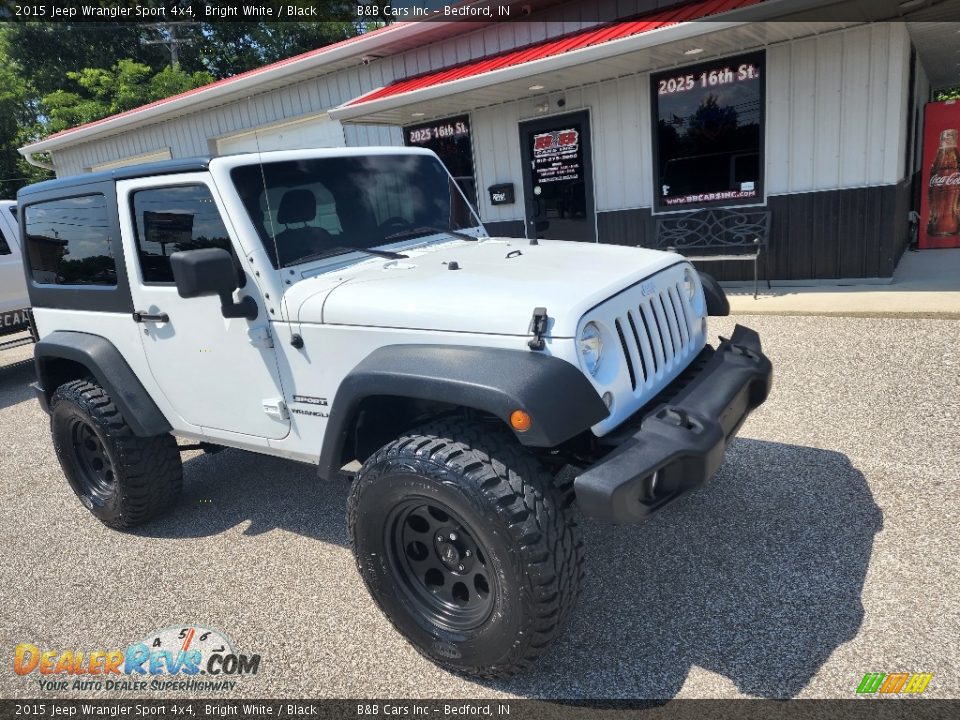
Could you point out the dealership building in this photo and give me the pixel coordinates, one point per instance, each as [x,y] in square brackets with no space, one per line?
[571,124]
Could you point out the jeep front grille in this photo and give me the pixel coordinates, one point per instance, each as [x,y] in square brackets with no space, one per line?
[654,334]
[652,331]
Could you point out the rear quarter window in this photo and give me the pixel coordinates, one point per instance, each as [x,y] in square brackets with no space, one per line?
[68,242]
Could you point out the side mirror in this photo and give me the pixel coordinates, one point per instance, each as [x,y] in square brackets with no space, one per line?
[210,271]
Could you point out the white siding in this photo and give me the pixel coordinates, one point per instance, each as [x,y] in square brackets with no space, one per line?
[496,154]
[157,156]
[620,133]
[362,135]
[836,110]
[316,131]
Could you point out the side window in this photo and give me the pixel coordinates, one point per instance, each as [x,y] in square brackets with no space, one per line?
[173,219]
[68,242]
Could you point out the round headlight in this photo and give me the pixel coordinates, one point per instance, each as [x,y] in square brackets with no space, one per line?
[591,347]
[689,283]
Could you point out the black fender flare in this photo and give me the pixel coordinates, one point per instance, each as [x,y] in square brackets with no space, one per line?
[558,397]
[106,364]
[717,303]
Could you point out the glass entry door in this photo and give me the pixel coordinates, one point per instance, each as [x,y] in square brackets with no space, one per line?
[558,177]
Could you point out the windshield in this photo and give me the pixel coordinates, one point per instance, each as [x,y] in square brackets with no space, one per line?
[319,207]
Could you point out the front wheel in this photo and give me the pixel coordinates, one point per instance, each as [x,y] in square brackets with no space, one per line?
[124,480]
[467,546]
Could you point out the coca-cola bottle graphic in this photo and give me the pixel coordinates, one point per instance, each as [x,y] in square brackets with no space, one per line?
[944,190]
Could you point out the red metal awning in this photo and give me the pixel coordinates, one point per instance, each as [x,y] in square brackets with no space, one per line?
[558,46]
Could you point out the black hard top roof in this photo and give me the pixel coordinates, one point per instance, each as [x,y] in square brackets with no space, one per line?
[165,167]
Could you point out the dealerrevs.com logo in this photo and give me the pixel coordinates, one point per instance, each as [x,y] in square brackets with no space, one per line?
[180,658]
[902,683]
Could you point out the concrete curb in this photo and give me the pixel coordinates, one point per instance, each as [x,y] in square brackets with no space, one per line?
[931,315]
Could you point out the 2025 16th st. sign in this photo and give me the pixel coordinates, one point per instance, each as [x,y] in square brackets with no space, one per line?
[708,138]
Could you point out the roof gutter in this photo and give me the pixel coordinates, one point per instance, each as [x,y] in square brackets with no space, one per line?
[28,156]
[246,83]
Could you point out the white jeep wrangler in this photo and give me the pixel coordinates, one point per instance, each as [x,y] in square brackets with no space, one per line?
[338,305]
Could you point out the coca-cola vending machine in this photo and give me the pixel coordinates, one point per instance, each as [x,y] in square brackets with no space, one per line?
[940,204]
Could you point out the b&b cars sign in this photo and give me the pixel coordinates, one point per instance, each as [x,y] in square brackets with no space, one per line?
[557,156]
[14,321]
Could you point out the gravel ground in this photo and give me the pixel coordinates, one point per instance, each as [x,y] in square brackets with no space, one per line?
[825,548]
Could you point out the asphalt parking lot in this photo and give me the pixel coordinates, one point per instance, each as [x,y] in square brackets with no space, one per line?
[827,547]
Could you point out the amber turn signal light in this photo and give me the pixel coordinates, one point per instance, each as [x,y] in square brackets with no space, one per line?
[520,421]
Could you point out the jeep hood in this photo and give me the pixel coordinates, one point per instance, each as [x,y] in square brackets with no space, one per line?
[495,289]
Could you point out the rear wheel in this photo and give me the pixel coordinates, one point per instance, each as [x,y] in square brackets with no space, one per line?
[124,480]
[467,546]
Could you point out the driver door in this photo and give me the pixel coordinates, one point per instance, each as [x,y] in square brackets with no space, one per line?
[217,373]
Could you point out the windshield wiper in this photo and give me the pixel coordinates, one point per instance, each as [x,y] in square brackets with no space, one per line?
[429,228]
[331,252]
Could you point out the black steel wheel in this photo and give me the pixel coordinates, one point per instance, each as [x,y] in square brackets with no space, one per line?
[95,475]
[124,480]
[467,545]
[439,565]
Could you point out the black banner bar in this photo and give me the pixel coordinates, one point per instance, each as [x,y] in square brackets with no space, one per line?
[389,11]
[859,709]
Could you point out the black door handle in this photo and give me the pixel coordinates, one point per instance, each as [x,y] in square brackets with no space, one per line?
[140,316]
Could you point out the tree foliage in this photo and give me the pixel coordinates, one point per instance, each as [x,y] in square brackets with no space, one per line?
[18,124]
[227,49]
[45,52]
[102,92]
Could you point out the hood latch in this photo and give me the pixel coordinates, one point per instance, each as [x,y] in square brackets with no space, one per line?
[538,326]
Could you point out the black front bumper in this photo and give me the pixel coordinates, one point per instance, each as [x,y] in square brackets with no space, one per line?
[680,444]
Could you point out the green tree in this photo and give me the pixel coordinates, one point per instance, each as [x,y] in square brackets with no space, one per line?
[44,52]
[18,123]
[230,48]
[128,84]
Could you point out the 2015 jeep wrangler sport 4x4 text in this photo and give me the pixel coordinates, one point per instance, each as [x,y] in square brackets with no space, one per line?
[347,304]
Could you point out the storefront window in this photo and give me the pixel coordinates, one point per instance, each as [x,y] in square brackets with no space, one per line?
[708,138]
[450,140]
